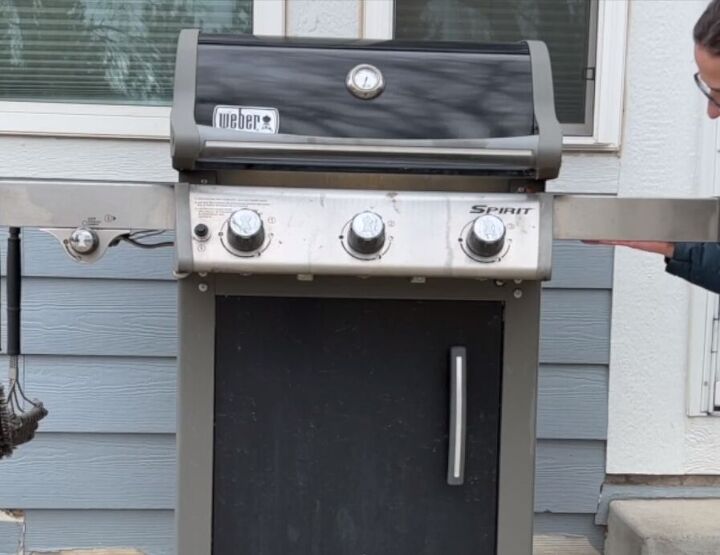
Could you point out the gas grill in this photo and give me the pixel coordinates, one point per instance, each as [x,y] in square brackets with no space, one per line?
[361,232]
[365,239]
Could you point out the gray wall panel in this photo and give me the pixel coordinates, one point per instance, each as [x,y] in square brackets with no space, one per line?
[138,318]
[91,471]
[98,317]
[43,256]
[580,266]
[137,395]
[137,471]
[10,535]
[572,402]
[575,326]
[104,394]
[568,475]
[560,524]
[151,532]
[103,360]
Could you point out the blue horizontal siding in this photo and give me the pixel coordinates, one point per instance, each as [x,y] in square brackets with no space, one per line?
[138,318]
[572,402]
[101,343]
[104,394]
[91,471]
[11,534]
[96,394]
[137,471]
[150,532]
[569,475]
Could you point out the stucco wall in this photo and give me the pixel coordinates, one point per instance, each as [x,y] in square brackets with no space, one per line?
[649,432]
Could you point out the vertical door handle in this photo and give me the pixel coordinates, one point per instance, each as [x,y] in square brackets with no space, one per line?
[458,399]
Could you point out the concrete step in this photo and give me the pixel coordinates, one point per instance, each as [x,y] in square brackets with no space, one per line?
[664,527]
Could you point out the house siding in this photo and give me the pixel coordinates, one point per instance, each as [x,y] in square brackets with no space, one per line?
[99,346]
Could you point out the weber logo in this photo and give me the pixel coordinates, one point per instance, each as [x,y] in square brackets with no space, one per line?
[485,209]
[246,118]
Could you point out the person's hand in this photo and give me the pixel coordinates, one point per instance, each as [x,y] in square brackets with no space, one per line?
[658,247]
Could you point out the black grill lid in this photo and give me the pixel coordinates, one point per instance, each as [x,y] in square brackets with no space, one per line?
[244,102]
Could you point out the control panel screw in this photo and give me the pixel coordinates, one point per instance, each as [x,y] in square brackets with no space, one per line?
[203,287]
[518,293]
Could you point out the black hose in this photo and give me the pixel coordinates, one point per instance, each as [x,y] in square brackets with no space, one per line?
[13,292]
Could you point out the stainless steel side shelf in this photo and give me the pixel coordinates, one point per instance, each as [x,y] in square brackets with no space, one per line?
[586,217]
[95,204]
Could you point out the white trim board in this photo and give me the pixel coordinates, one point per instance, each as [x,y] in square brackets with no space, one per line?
[270,18]
[703,305]
[84,120]
[378,19]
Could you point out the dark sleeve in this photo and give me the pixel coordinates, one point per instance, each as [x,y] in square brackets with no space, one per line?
[699,263]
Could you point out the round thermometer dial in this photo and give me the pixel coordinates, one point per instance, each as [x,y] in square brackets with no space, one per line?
[365,81]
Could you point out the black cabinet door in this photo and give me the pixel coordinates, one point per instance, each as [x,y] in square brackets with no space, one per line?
[332,427]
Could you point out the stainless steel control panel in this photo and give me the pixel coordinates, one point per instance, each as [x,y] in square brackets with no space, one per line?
[369,233]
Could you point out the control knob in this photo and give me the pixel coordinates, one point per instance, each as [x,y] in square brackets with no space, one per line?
[245,231]
[83,241]
[486,237]
[367,233]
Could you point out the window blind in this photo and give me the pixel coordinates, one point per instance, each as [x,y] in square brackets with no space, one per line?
[566,26]
[102,51]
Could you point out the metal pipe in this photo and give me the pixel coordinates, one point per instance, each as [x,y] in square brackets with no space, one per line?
[13,292]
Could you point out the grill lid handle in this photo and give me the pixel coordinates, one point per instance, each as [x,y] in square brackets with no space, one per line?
[513,152]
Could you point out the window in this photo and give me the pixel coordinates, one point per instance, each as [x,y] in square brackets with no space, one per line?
[586,40]
[103,51]
[566,26]
[105,67]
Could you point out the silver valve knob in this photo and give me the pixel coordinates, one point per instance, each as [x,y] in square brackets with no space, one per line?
[486,237]
[245,231]
[367,233]
[83,241]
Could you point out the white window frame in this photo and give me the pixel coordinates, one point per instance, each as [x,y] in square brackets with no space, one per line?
[112,120]
[378,23]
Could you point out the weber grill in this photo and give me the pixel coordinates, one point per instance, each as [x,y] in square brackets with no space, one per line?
[366,241]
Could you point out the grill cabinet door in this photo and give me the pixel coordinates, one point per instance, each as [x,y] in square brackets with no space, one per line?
[331,427]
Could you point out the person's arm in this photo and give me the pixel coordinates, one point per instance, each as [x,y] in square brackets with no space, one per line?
[698,263]
[658,247]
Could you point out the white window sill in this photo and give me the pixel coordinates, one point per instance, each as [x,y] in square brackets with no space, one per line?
[101,121]
[589,144]
[84,120]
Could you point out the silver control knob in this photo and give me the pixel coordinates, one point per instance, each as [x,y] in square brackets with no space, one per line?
[367,233]
[486,237]
[83,241]
[245,231]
